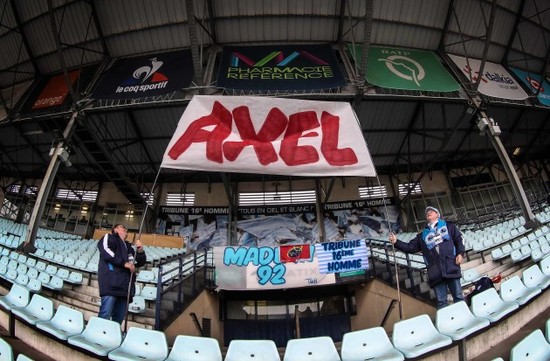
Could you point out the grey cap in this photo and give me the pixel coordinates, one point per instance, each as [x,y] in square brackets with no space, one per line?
[430,208]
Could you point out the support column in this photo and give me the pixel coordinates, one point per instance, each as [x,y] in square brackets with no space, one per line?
[490,128]
[59,154]
[320,211]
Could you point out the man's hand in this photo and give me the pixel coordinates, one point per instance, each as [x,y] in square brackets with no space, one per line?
[458,259]
[393,238]
[130,266]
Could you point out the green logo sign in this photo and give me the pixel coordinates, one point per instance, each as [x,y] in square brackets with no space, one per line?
[406,69]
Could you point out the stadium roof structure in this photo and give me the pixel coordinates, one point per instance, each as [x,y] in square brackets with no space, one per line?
[406,131]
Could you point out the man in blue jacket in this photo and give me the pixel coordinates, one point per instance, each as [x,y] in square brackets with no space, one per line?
[117,263]
[442,246]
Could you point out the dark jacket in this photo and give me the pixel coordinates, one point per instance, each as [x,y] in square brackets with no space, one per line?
[113,277]
[439,264]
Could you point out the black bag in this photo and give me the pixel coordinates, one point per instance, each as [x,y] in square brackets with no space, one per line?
[484,283]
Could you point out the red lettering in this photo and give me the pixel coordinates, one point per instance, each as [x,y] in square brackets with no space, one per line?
[274,125]
[221,119]
[298,126]
[293,154]
[330,124]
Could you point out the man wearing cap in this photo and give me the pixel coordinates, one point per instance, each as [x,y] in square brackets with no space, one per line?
[443,249]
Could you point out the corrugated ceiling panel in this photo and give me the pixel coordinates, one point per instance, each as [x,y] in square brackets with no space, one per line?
[150,40]
[295,29]
[40,36]
[385,115]
[538,12]
[13,51]
[519,60]
[31,9]
[512,5]
[224,8]
[408,36]
[158,122]
[129,15]
[530,39]
[76,24]
[73,58]
[25,71]
[430,13]
[8,19]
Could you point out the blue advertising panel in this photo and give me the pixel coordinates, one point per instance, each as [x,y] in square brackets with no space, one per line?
[533,82]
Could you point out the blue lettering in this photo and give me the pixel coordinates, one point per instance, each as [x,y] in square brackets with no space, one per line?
[234,256]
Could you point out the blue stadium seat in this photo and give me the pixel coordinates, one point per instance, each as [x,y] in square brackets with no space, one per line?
[75,278]
[417,336]
[39,309]
[547,330]
[193,348]
[99,337]
[457,322]
[65,323]
[145,276]
[22,357]
[311,349]
[141,344]
[533,277]
[513,290]
[34,285]
[18,296]
[51,269]
[149,293]
[137,305]
[369,344]
[545,265]
[533,347]
[242,350]
[6,351]
[489,305]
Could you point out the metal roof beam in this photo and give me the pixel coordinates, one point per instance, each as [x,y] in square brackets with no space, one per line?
[193,39]
[26,43]
[135,126]
[212,21]
[515,30]
[341,18]
[99,29]
[488,32]
[445,29]
[56,36]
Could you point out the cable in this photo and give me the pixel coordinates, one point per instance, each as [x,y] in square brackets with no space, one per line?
[393,250]
[147,203]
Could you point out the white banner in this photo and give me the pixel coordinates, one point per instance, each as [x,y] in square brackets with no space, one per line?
[495,81]
[249,268]
[342,256]
[269,136]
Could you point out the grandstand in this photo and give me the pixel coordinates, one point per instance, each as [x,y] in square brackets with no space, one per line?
[262,151]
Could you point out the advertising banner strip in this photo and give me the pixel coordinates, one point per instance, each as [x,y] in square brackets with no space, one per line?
[342,256]
[269,136]
[406,69]
[280,68]
[254,268]
[495,80]
[55,91]
[146,76]
[533,82]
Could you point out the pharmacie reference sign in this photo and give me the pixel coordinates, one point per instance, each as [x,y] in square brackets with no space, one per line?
[281,68]
[405,69]
[342,256]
